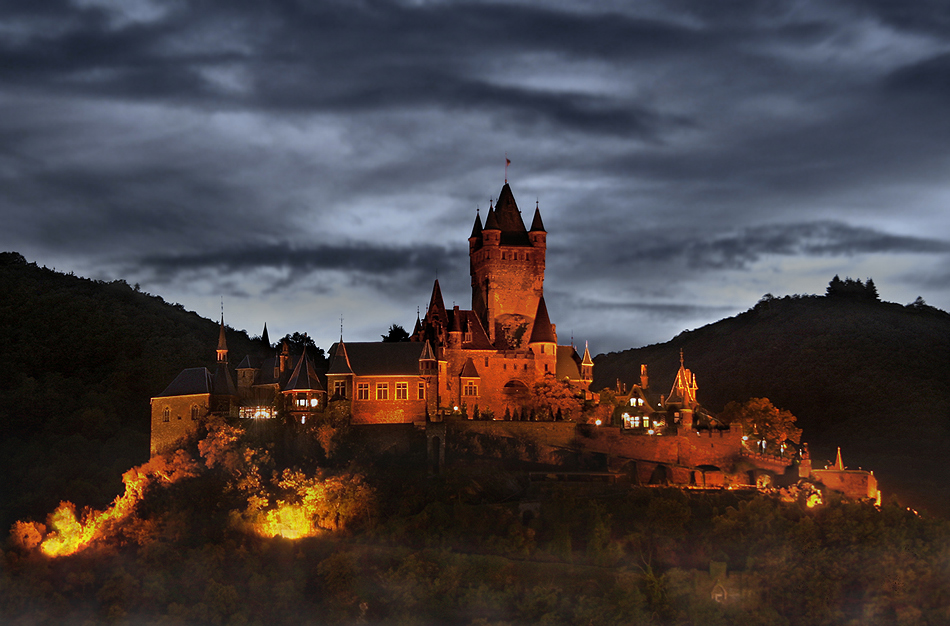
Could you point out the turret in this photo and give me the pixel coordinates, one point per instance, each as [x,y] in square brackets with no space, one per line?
[587,365]
[543,341]
[537,235]
[222,344]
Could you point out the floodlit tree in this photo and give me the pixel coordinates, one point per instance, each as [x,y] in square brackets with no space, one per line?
[551,395]
[763,421]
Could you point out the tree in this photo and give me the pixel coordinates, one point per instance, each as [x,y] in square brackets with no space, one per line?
[760,419]
[298,342]
[396,333]
[551,395]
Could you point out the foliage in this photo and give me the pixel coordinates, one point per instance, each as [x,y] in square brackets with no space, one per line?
[298,341]
[552,396]
[761,420]
[396,333]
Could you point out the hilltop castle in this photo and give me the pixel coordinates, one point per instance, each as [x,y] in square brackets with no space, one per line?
[484,359]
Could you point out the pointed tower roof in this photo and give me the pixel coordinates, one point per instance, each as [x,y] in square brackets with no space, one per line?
[341,361]
[304,376]
[222,342]
[536,224]
[437,304]
[839,464]
[543,331]
[587,360]
[509,219]
[491,222]
[427,353]
[418,327]
[265,339]
[476,227]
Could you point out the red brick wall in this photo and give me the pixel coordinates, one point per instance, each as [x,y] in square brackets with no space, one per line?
[391,410]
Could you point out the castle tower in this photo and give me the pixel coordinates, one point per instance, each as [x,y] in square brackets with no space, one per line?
[507,269]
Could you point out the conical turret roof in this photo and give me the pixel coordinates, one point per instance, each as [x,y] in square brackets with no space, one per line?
[222,342]
[476,227]
[536,224]
[491,222]
[304,376]
[543,331]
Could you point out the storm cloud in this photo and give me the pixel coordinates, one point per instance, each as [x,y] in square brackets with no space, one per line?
[317,159]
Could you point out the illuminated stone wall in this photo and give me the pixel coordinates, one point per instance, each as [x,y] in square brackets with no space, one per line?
[390,410]
[180,423]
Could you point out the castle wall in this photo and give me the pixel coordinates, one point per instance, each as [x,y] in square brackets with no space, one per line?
[857,484]
[180,423]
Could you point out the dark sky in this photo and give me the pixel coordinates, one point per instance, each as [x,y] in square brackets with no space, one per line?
[311,160]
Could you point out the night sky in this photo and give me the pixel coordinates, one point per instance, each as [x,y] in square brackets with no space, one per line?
[311,160]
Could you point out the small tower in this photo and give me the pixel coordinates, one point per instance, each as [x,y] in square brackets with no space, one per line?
[543,341]
[222,344]
[587,365]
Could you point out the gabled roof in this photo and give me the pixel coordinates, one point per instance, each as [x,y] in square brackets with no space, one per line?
[341,360]
[536,224]
[304,377]
[543,331]
[468,370]
[568,363]
[194,380]
[382,358]
[684,388]
[427,353]
[513,232]
[473,326]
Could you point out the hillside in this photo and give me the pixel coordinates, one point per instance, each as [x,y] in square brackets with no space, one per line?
[80,360]
[872,377]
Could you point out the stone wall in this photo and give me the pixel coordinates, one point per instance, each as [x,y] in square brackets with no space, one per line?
[180,423]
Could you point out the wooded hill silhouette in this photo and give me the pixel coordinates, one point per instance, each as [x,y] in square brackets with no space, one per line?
[80,360]
[872,377]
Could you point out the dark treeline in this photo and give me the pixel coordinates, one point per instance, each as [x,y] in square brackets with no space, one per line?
[80,359]
[872,377]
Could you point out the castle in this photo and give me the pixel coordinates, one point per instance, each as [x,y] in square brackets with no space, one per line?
[484,363]
[483,360]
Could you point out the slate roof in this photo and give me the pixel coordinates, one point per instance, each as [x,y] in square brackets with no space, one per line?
[469,323]
[381,358]
[304,377]
[222,342]
[513,232]
[568,363]
[476,227]
[251,362]
[542,331]
[340,363]
[194,380]
[221,382]
[536,224]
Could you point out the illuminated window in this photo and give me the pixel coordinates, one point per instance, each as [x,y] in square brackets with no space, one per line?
[314,402]
[166,414]
[194,412]
[362,391]
[382,391]
[402,391]
[471,389]
[422,391]
[339,388]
